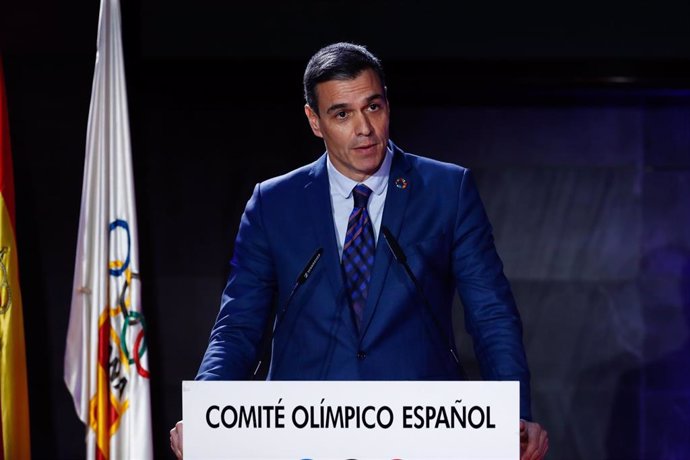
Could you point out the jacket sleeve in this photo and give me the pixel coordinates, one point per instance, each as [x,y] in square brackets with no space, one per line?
[491,316]
[246,301]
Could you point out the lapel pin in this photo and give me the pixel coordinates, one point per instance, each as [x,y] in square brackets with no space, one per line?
[401,183]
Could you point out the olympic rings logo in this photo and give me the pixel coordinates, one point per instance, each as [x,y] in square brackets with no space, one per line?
[120,271]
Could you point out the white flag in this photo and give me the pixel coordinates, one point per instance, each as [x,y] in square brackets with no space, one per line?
[106,362]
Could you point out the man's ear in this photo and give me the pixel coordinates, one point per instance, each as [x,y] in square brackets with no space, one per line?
[314,120]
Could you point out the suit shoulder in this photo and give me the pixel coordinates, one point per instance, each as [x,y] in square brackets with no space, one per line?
[291,181]
[435,169]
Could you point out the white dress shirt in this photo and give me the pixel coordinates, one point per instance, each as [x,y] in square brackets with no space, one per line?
[343,203]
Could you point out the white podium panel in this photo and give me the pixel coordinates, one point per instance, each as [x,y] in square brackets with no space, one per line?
[341,420]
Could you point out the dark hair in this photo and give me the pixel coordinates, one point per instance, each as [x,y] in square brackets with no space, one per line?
[339,61]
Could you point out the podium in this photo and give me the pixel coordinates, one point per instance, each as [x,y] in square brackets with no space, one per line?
[321,420]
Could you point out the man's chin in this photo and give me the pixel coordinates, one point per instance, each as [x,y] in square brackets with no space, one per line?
[370,166]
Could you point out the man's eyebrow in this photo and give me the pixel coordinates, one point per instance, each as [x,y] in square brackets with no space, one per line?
[335,107]
[343,105]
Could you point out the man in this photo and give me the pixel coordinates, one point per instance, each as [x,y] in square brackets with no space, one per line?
[359,315]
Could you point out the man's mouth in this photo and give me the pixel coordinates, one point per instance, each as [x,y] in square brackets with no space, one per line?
[365,147]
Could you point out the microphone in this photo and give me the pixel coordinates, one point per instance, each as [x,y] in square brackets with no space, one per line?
[399,256]
[301,279]
[305,274]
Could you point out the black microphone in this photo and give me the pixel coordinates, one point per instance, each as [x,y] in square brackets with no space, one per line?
[305,274]
[301,279]
[399,256]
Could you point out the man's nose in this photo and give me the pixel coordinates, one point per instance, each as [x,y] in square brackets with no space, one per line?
[364,126]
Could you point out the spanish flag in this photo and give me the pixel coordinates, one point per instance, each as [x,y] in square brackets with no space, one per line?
[14,397]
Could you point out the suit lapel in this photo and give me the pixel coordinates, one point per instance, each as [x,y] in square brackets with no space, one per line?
[397,198]
[318,198]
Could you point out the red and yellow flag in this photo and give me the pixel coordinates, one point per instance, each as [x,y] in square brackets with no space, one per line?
[14,398]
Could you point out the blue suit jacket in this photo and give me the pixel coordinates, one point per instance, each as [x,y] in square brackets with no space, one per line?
[439,221]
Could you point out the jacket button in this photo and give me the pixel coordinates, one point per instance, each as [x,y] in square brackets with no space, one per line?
[361,354]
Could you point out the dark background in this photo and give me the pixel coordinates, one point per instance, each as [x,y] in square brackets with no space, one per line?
[575,117]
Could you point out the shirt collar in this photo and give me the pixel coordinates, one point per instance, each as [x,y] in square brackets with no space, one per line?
[343,185]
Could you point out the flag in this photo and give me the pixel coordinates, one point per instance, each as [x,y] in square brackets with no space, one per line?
[14,397]
[106,362]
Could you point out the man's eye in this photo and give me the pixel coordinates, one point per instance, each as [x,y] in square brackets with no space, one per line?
[374,107]
[341,114]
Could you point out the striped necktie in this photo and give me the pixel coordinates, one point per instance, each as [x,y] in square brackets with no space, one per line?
[358,252]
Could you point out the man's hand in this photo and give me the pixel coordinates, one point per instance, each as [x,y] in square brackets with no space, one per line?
[176,440]
[534,441]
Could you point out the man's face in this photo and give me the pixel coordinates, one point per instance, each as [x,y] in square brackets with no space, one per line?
[353,122]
